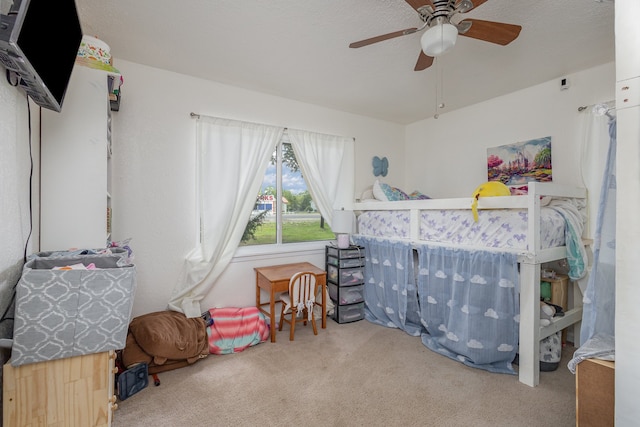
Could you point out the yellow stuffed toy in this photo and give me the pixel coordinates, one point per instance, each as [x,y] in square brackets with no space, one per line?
[488,189]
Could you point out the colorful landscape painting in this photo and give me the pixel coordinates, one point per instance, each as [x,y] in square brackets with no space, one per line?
[517,164]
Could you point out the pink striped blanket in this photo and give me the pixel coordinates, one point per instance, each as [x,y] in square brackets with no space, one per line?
[235,329]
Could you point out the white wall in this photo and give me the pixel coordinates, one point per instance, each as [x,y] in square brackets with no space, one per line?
[153,172]
[628,206]
[447,157]
[15,166]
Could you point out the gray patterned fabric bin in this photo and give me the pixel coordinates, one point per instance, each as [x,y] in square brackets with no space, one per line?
[65,313]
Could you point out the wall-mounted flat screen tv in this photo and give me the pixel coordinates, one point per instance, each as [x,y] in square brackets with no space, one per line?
[39,41]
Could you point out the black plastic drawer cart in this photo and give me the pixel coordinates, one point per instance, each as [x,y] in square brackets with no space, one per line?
[345,282]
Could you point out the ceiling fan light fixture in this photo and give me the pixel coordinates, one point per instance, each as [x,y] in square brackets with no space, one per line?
[439,39]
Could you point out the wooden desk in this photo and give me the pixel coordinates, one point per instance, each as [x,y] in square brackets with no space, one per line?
[275,279]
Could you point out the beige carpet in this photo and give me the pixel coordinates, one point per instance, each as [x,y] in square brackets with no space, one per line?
[356,374]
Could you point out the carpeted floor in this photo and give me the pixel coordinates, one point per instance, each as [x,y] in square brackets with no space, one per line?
[356,374]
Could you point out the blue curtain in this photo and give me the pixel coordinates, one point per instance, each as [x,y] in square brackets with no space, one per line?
[470,305]
[598,315]
[463,304]
[389,285]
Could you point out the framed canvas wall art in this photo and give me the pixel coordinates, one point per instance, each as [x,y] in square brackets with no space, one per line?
[519,163]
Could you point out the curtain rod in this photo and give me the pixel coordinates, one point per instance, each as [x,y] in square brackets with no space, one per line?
[584,107]
[197,116]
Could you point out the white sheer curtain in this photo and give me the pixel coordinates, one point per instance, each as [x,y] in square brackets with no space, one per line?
[593,154]
[232,160]
[597,334]
[598,316]
[327,164]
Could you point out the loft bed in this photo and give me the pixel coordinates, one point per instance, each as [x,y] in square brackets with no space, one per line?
[550,220]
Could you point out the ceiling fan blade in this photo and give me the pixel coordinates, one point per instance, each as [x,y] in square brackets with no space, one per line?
[424,62]
[417,4]
[493,32]
[372,40]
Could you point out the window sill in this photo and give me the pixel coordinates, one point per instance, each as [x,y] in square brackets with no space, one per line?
[251,253]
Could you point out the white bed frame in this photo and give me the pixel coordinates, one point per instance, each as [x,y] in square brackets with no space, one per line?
[530,261]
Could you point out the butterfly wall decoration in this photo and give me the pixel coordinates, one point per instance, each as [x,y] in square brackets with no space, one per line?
[380,166]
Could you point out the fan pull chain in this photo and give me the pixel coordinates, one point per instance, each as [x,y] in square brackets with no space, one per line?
[439,103]
[435,109]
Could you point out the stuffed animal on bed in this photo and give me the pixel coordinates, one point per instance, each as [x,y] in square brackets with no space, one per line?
[488,189]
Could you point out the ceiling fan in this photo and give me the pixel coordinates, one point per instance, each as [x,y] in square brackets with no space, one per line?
[441,32]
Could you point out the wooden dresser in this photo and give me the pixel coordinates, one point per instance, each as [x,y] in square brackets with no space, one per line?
[75,391]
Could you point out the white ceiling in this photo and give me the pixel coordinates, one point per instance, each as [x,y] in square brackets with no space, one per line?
[299,49]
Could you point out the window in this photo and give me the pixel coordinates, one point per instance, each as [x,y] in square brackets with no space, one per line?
[238,151]
[284,211]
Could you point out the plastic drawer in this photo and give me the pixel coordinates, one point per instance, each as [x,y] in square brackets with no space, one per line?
[345,276]
[352,252]
[345,262]
[343,295]
[348,313]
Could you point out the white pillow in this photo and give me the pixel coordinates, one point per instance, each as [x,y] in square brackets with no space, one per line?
[367,194]
[378,193]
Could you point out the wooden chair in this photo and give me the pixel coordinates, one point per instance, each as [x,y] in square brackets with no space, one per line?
[298,303]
